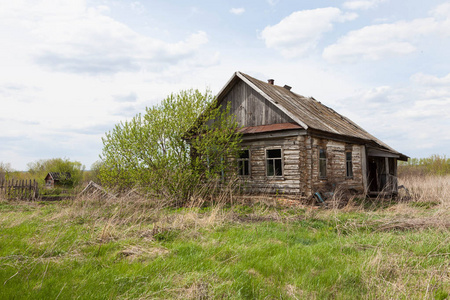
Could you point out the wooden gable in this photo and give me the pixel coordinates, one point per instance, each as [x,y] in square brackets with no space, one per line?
[251,108]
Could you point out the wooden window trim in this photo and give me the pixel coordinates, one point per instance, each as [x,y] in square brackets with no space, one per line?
[282,163]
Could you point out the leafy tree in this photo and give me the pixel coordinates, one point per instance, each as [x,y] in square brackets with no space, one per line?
[40,168]
[5,170]
[93,174]
[175,146]
[434,164]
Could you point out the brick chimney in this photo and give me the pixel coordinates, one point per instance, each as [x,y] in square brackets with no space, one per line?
[271,81]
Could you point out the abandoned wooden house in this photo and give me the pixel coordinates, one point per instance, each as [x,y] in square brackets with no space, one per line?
[297,145]
[54,179]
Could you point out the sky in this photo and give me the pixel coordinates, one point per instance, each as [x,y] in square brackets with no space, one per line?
[72,69]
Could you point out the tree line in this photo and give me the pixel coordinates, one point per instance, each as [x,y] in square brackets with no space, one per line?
[39,169]
[172,150]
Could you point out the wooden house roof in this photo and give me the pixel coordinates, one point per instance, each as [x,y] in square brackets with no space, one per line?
[307,112]
[58,175]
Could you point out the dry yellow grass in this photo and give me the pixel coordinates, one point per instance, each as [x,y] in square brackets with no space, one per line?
[429,188]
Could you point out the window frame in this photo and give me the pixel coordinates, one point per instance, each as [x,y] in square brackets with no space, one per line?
[248,160]
[322,160]
[281,159]
[349,170]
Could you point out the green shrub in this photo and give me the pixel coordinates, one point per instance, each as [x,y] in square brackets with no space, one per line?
[172,149]
[433,165]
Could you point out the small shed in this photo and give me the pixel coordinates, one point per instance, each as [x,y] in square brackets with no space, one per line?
[56,178]
[296,145]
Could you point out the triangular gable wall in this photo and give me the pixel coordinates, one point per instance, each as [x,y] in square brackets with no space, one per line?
[251,108]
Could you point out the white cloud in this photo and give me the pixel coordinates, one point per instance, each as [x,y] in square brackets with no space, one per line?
[273,2]
[362,4]
[378,41]
[130,97]
[441,11]
[52,54]
[442,14]
[138,7]
[300,32]
[390,113]
[67,36]
[430,80]
[237,11]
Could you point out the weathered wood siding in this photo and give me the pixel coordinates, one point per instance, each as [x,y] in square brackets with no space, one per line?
[301,166]
[300,154]
[290,182]
[251,109]
[336,166]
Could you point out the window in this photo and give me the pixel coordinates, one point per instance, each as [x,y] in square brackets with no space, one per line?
[322,163]
[244,163]
[274,162]
[349,164]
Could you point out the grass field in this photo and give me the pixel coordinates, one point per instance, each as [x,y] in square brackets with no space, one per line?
[131,248]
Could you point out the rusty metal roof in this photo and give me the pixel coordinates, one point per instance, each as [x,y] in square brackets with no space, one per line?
[306,111]
[268,128]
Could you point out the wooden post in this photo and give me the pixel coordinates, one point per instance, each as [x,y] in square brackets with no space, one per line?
[364,168]
[388,177]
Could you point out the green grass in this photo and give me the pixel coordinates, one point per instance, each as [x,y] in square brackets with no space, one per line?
[94,250]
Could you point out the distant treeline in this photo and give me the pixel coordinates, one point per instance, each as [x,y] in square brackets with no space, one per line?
[433,165]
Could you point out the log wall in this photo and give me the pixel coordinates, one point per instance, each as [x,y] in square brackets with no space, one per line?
[300,158]
[336,166]
[290,182]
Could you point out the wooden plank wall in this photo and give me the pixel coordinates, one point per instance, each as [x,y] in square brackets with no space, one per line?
[251,109]
[301,166]
[289,183]
[336,166]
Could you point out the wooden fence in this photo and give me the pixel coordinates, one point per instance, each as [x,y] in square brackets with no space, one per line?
[19,189]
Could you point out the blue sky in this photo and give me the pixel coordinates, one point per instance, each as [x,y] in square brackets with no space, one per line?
[72,69]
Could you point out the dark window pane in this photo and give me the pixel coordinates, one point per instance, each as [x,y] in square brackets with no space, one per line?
[348,155]
[246,168]
[322,163]
[274,153]
[244,163]
[241,167]
[270,169]
[322,168]
[349,164]
[323,154]
[244,154]
[349,169]
[278,170]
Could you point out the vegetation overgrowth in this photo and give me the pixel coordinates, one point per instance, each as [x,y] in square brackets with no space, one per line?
[433,165]
[37,170]
[172,149]
[133,248]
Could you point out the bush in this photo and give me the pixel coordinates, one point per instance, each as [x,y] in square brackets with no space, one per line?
[171,149]
[433,165]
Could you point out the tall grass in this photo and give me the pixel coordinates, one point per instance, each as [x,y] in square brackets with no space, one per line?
[135,247]
[430,188]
